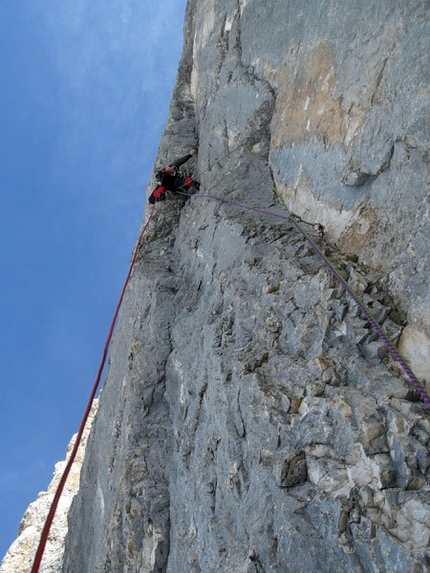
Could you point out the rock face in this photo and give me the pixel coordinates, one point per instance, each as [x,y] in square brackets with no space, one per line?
[21,554]
[250,420]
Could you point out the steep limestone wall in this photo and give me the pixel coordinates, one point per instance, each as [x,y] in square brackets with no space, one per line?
[250,420]
[348,85]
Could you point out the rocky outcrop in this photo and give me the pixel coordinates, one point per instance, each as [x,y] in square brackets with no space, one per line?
[21,554]
[251,421]
[345,86]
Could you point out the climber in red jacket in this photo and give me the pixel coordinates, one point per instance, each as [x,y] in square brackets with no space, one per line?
[169,178]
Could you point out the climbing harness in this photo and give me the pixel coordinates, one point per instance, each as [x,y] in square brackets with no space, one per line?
[53,508]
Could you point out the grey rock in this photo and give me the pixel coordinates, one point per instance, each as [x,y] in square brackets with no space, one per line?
[249,421]
[294,471]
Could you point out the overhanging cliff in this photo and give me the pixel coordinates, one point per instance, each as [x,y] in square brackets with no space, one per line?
[250,420]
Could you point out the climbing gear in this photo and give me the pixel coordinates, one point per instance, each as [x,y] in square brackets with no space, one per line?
[159,194]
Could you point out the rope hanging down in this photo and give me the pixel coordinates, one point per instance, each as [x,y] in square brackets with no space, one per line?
[361,306]
[59,491]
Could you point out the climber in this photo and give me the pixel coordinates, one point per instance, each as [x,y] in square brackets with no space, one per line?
[169,178]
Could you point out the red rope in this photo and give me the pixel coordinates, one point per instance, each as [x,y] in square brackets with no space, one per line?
[53,508]
[408,372]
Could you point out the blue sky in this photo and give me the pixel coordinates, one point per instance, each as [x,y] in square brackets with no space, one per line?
[85,91]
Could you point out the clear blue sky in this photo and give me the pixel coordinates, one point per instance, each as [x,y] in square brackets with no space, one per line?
[85,88]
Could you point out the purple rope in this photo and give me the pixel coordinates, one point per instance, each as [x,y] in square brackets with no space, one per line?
[412,378]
